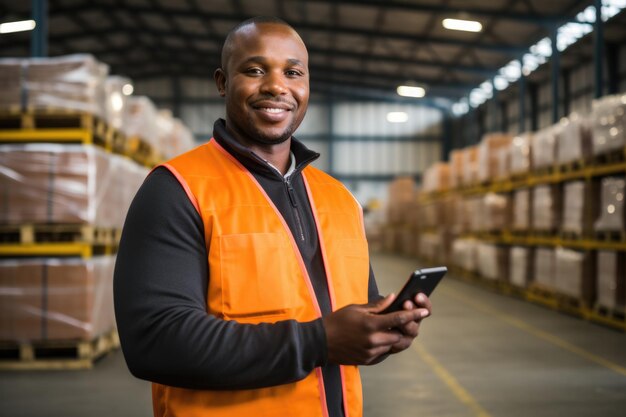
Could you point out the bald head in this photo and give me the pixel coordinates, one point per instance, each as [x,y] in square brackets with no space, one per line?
[246,26]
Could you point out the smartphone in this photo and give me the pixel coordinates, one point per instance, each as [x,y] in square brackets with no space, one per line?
[421,280]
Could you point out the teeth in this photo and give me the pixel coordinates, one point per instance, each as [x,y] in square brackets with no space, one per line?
[273,110]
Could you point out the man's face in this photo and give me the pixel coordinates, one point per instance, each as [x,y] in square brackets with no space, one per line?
[265,81]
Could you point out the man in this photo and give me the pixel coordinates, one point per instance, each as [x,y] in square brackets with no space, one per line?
[242,281]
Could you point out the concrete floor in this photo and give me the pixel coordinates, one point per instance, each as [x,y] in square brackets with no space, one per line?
[481,354]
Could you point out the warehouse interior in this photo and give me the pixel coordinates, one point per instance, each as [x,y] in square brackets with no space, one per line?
[468,138]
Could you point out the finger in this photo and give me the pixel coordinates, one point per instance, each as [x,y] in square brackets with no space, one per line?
[397,319]
[408,305]
[385,338]
[421,300]
[381,304]
[410,329]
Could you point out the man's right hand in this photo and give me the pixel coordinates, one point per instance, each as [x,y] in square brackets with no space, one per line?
[358,335]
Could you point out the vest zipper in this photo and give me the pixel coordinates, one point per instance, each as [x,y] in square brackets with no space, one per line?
[294,204]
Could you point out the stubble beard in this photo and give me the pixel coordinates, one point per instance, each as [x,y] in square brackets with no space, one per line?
[260,137]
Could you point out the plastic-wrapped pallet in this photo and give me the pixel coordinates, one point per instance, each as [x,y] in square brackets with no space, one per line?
[142,120]
[544,147]
[546,208]
[115,101]
[464,254]
[495,212]
[608,119]
[574,139]
[521,209]
[521,266]
[520,155]
[577,205]
[71,82]
[474,210]
[456,168]
[573,276]
[436,177]
[493,261]
[544,267]
[68,184]
[488,161]
[611,279]
[401,191]
[613,190]
[503,156]
[430,246]
[470,165]
[56,298]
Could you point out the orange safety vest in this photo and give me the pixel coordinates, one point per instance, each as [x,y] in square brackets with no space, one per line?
[257,275]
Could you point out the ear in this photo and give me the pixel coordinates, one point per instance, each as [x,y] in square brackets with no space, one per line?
[220,81]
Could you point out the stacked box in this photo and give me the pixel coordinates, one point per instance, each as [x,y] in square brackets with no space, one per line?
[611,279]
[470,165]
[436,177]
[495,212]
[579,207]
[56,299]
[544,267]
[460,220]
[72,82]
[608,124]
[474,213]
[456,168]
[115,101]
[401,193]
[544,147]
[574,139]
[488,157]
[142,119]
[49,183]
[612,192]
[521,210]
[464,254]
[503,163]
[493,261]
[574,276]
[521,266]
[12,71]
[520,154]
[546,207]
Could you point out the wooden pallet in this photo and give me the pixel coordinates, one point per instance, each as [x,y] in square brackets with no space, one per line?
[547,297]
[612,157]
[611,236]
[53,126]
[612,317]
[56,355]
[28,234]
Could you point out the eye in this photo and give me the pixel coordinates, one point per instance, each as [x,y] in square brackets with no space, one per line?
[293,73]
[254,71]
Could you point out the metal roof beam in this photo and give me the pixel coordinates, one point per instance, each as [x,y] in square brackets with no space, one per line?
[235,17]
[530,18]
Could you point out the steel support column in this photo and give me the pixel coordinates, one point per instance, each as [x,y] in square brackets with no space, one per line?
[598,51]
[522,103]
[567,92]
[39,36]
[533,90]
[331,134]
[612,64]
[495,108]
[177,96]
[446,142]
[555,80]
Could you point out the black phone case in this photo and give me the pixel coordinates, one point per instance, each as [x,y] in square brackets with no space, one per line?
[421,280]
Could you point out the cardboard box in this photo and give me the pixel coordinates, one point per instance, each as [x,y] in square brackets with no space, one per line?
[574,275]
[521,209]
[493,261]
[521,266]
[520,154]
[545,269]
[611,279]
[546,212]
[612,208]
[488,155]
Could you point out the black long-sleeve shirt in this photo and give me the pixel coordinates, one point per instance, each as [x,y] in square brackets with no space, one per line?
[161,281]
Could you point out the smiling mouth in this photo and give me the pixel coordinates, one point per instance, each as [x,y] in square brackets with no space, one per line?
[272,109]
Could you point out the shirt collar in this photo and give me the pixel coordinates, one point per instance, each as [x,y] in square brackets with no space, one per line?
[292,166]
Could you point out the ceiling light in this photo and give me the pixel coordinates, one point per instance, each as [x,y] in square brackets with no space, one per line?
[411,91]
[464,25]
[19,26]
[127,89]
[397,117]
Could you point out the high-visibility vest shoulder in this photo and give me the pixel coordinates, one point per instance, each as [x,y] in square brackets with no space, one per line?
[257,275]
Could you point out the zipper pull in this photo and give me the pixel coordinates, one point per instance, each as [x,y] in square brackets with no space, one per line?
[291,193]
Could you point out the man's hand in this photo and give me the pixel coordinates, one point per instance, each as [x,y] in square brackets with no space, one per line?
[359,335]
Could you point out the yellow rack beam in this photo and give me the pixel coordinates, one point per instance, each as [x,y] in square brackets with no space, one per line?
[552,241]
[80,135]
[84,250]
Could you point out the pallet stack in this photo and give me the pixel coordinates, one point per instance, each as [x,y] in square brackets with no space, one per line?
[541,215]
[68,172]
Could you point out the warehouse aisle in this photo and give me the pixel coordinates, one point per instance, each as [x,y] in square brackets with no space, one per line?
[481,354]
[484,354]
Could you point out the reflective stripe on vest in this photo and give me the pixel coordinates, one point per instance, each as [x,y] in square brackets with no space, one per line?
[257,275]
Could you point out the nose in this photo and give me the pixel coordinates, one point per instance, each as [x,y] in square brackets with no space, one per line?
[274,83]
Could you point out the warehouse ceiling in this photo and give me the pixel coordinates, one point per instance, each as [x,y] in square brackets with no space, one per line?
[358,48]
